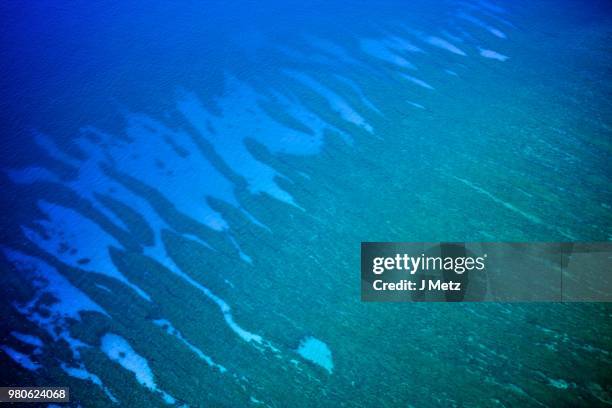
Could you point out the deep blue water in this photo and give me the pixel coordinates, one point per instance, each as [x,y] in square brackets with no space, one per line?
[185,187]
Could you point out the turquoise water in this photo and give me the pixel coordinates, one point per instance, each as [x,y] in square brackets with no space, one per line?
[185,191]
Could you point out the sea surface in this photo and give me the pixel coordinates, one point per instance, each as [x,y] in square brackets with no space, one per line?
[185,187]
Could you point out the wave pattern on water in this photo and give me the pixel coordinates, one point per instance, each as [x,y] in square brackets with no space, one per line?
[186,176]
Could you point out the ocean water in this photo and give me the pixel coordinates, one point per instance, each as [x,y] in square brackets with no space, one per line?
[185,188]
